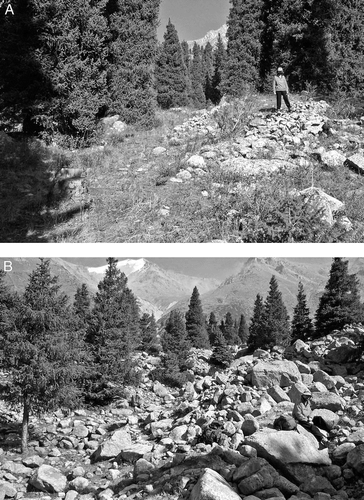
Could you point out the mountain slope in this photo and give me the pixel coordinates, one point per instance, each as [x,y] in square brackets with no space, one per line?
[237,293]
[159,286]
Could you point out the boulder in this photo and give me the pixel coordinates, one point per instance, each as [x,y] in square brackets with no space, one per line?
[355,459]
[275,372]
[212,486]
[356,163]
[324,378]
[278,394]
[328,401]
[340,452]
[316,484]
[328,206]
[111,447]
[49,479]
[7,490]
[134,452]
[333,159]
[357,437]
[331,419]
[287,447]
[250,425]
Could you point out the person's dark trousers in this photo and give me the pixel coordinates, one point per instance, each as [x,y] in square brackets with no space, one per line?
[280,94]
[311,427]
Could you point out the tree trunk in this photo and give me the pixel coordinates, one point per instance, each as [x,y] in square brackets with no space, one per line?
[25,425]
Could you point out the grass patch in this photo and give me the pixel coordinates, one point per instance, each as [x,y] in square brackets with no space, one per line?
[134,199]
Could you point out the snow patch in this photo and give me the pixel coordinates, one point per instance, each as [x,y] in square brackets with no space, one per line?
[127,266]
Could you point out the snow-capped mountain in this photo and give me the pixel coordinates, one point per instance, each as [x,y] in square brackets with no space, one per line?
[212,37]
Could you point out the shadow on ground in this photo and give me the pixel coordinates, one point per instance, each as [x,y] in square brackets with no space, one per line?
[27,170]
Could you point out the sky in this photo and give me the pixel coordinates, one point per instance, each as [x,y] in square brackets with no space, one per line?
[193,18]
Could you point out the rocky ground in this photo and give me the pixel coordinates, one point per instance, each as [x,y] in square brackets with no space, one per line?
[212,440]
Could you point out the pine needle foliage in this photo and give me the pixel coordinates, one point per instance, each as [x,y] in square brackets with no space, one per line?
[171,72]
[302,326]
[131,56]
[340,303]
[195,322]
[241,68]
[43,353]
[113,335]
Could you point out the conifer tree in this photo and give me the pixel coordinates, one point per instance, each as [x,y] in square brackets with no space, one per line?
[72,56]
[219,59]
[43,356]
[187,59]
[171,73]
[257,327]
[132,52]
[278,331]
[197,78]
[340,304]
[208,69]
[243,330]
[230,332]
[148,328]
[302,327]
[221,353]
[195,322]
[176,346]
[241,69]
[175,338]
[212,328]
[114,333]
[82,306]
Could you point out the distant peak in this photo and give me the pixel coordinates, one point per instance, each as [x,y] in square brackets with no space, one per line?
[127,266]
[212,37]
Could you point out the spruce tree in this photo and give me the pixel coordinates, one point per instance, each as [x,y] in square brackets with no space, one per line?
[278,331]
[176,347]
[175,338]
[243,330]
[221,353]
[72,56]
[197,78]
[43,355]
[340,304]
[230,332]
[257,327]
[148,329]
[212,328]
[187,59]
[114,334]
[302,327]
[219,59]
[195,322]
[208,69]
[241,69]
[82,306]
[171,73]
[132,51]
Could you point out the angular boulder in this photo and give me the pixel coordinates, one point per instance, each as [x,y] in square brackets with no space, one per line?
[287,447]
[49,479]
[331,419]
[328,401]
[212,486]
[275,372]
[355,459]
[111,447]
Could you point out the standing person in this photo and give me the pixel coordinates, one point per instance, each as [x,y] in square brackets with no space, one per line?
[280,88]
[302,413]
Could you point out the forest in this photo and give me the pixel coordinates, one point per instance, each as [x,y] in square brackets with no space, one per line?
[67,64]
